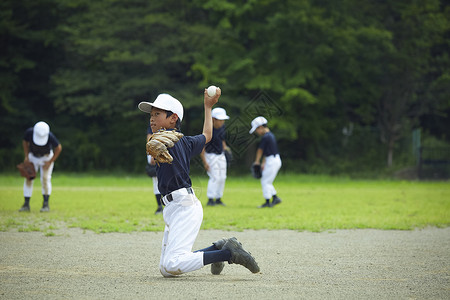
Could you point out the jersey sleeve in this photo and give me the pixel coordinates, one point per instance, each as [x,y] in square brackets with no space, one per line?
[197,143]
[263,143]
[53,140]
[28,135]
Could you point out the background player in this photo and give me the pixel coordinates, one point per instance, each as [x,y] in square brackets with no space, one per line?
[271,161]
[183,212]
[42,148]
[214,160]
[152,162]
[159,207]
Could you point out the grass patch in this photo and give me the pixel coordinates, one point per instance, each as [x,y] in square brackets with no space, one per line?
[311,203]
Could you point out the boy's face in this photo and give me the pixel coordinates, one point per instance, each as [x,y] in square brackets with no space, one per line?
[159,119]
[218,123]
[260,130]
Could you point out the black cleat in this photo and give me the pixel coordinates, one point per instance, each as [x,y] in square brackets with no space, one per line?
[240,256]
[219,243]
[45,208]
[159,210]
[25,208]
[219,202]
[266,204]
[276,201]
[217,267]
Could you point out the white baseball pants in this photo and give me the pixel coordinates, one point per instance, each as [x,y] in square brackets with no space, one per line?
[183,217]
[46,175]
[217,174]
[155,185]
[271,168]
[154,179]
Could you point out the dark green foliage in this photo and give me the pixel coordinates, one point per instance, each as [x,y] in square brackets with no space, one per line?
[378,67]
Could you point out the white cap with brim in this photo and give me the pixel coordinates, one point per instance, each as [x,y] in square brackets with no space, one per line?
[258,121]
[165,102]
[219,114]
[41,131]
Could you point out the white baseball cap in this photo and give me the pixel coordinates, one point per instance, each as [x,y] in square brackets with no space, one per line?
[258,121]
[219,114]
[166,102]
[40,133]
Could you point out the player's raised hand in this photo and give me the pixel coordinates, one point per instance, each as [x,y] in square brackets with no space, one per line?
[211,100]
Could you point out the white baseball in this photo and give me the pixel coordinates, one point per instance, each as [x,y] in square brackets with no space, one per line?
[211,90]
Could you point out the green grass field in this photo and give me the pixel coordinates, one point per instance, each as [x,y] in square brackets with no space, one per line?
[311,203]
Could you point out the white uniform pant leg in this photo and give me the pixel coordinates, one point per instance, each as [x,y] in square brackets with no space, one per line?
[154,179]
[183,218]
[217,174]
[155,185]
[45,175]
[271,168]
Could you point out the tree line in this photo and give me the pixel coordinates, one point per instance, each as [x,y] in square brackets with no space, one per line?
[343,83]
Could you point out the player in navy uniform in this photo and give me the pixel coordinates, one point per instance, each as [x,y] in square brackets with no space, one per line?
[213,157]
[42,148]
[271,161]
[183,212]
[158,196]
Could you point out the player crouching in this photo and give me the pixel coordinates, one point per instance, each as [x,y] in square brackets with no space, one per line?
[183,212]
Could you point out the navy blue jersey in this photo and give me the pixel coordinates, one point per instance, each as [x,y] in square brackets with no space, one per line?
[268,144]
[216,143]
[39,151]
[175,176]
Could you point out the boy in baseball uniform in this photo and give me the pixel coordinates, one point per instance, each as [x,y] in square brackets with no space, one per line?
[213,157]
[271,161]
[183,212]
[42,148]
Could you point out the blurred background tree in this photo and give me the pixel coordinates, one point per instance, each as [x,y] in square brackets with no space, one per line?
[343,84]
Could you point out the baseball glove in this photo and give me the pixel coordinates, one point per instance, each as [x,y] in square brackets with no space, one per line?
[158,143]
[27,170]
[256,171]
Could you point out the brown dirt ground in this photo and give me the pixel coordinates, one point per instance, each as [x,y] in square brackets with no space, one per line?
[342,264]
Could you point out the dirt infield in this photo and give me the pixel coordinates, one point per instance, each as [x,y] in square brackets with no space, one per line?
[343,264]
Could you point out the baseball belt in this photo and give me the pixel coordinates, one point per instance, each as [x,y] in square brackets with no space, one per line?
[169,197]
